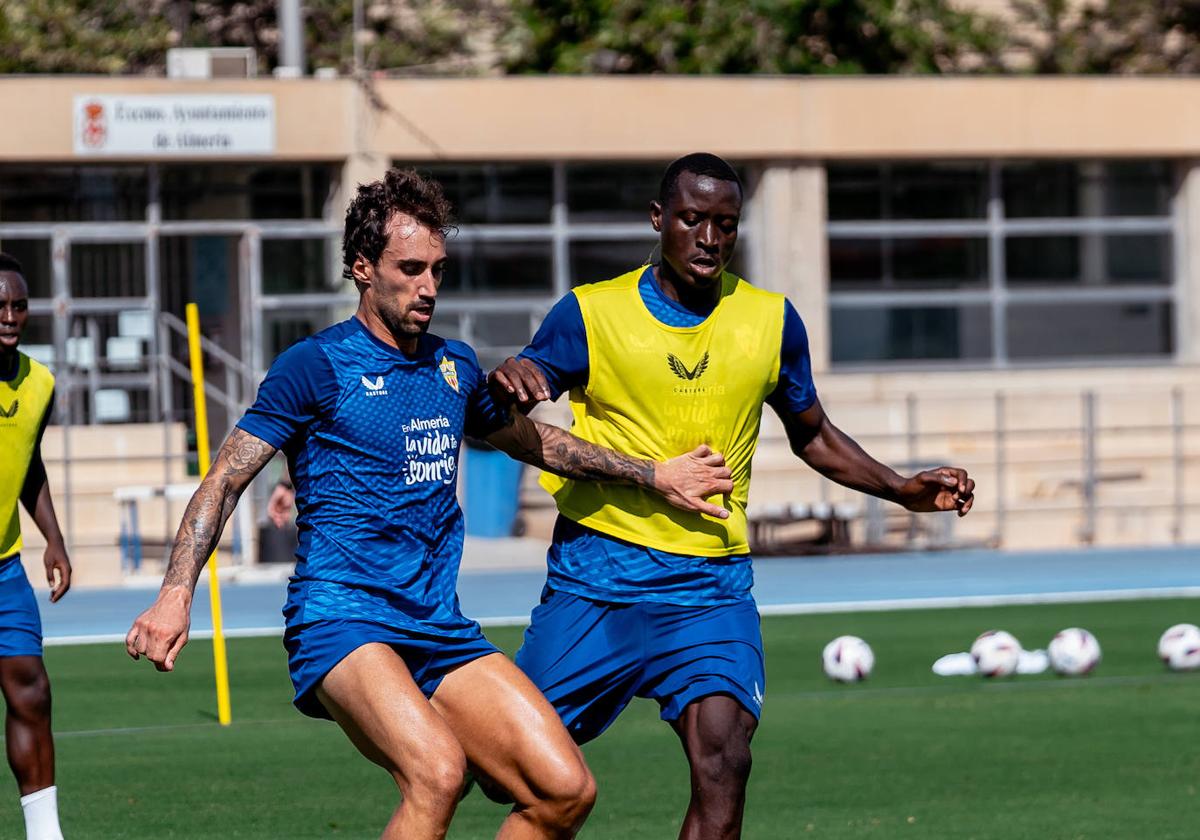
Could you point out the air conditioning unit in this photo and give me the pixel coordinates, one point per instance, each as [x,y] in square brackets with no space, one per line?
[212,63]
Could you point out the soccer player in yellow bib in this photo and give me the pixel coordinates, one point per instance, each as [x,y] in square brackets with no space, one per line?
[646,601]
[26,399]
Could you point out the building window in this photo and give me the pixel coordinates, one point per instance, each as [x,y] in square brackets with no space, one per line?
[203,192]
[73,193]
[529,232]
[1002,262]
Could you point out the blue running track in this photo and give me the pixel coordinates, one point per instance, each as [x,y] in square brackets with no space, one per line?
[783,585]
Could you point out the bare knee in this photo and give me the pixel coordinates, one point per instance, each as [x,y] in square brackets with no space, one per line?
[724,768]
[564,799]
[439,779]
[27,692]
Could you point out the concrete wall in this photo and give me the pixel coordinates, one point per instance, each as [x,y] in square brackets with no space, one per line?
[651,118]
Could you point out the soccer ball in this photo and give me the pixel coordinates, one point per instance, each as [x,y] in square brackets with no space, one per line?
[1179,647]
[1074,652]
[996,653]
[848,659]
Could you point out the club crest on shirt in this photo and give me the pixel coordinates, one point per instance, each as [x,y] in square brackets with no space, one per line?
[449,373]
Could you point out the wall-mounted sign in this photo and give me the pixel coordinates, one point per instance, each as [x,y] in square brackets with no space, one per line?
[170,125]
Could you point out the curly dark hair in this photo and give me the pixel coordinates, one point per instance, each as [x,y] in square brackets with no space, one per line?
[10,263]
[399,191]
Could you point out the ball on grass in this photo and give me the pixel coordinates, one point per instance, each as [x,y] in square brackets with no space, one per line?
[1074,652]
[1179,647]
[848,659]
[996,653]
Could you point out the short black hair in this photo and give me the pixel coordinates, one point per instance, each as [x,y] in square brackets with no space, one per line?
[399,191]
[697,163]
[10,263]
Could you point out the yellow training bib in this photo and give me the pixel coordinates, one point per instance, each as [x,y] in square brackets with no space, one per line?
[656,391]
[23,403]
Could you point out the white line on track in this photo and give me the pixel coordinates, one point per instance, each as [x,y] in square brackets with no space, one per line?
[877,605]
[982,601]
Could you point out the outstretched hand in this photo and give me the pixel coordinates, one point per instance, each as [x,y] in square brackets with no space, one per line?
[943,488]
[685,481]
[518,382]
[161,631]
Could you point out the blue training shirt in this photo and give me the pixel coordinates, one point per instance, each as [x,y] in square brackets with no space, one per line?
[372,439]
[584,561]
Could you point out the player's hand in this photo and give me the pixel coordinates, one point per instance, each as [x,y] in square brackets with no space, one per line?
[518,382]
[161,631]
[687,480]
[58,570]
[280,505]
[944,488]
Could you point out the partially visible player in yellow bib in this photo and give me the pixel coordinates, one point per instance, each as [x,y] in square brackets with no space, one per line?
[642,600]
[26,400]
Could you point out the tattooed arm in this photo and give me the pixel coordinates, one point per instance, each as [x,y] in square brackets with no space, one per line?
[684,481]
[161,631]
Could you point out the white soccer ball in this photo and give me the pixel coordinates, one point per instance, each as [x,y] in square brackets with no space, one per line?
[848,659]
[1074,652]
[1179,647]
[996,653]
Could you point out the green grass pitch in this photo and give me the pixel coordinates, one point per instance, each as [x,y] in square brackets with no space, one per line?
[906,754]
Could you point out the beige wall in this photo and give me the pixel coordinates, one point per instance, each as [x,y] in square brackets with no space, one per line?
[789,210]
[313,118]
[658,117]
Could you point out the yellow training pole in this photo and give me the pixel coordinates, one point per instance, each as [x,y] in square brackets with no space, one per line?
[221,665]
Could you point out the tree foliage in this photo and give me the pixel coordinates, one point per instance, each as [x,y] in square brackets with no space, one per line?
[82,36]
[758,36]
[1110,36]
[457,37]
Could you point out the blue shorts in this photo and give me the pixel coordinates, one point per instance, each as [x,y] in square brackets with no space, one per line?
[590,658]
[20,622]
[314,649]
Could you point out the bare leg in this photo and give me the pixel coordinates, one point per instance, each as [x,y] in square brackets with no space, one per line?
[716,732]
[372,696]
[29,742]
[513,736]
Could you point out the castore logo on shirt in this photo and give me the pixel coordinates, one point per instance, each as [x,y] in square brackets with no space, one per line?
[374,388]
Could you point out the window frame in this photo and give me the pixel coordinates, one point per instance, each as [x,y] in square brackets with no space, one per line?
[997,293]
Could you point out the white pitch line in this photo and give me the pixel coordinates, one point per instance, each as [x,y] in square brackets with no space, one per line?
[952,685]
[169,727]
[800,608]
[888,605]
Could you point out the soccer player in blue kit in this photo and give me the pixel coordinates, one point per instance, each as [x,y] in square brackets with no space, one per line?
[642,600]
[371,413]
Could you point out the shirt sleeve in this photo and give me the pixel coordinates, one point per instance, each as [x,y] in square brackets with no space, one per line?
[299,388]
[483,416]
[560,348]
[795,391]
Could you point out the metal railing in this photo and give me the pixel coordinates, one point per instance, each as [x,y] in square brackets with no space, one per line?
[1077,466]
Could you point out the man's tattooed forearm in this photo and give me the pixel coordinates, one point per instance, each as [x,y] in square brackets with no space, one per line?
[240,459]
[245,454]
[203,521]
[571,457]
